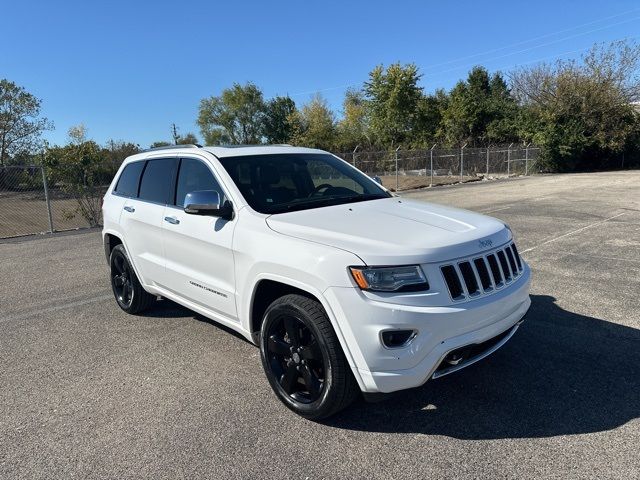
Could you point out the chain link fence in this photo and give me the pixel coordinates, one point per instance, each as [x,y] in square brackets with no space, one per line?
[30,203]
[410,169]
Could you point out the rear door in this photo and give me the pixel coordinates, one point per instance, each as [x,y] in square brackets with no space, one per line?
[142,219]
[199,258]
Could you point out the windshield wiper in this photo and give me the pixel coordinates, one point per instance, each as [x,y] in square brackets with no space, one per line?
[306,203]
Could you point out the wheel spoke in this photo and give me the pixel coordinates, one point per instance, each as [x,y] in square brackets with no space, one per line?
[311,381]
[278,346]
[289,378]
[118,263]
[311,351]
[291,326]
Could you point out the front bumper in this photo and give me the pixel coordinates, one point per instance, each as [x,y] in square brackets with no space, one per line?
[440,330]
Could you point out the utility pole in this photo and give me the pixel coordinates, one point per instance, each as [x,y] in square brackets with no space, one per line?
[526,159]
[174,131]
[509,159]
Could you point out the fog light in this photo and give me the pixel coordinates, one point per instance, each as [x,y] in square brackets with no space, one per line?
[397,338]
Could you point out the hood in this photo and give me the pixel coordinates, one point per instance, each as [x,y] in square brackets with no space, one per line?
[395,231]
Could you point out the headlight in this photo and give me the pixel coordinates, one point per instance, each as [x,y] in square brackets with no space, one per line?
[390,279]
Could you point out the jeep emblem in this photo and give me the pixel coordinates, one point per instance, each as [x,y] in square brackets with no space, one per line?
[485,243]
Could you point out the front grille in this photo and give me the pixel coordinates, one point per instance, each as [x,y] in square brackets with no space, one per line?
[472,277]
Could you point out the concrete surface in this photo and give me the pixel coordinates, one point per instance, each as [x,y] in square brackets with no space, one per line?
[89,392]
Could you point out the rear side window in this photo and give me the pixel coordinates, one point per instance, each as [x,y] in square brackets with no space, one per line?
[194,176]
[157,180]
[129,179]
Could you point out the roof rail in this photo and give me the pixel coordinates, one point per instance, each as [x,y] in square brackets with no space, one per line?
[228,145]
[173,147]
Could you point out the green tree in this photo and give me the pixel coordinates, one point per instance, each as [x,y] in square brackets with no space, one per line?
[353,129]
[20,121]
[188,139]
[116,151]
[314,125]
[427,127]
[480,110]
[159,144]
[393,96]
[277,126]
[581,112]
[236,116]
[83,172]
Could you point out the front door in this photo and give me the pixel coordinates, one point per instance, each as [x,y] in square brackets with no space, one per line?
[198,253]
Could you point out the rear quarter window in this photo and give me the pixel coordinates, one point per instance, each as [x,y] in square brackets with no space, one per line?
[129,179]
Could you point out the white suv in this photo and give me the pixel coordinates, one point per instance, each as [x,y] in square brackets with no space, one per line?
[344,286]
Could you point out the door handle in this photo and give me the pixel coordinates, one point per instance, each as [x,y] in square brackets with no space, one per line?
[172,220]
[129,209]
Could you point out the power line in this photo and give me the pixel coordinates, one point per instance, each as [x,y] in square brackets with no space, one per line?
[523,42]
[308,92]
[535,47]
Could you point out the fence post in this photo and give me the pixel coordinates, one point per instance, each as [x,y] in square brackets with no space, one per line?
[431,163]
[488,147]
[354,154]
[526,159]
[462,161]
[509,159]
[46,195]
[397,169]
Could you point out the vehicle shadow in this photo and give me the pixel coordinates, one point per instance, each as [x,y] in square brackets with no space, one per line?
[561,374]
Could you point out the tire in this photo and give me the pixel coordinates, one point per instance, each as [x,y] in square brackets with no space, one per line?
[130,295]
[303,360]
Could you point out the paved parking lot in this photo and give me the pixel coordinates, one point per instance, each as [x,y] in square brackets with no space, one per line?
[89,392]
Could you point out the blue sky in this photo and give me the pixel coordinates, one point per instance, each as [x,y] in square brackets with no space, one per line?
[128,69]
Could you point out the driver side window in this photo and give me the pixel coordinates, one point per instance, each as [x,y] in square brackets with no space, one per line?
[194,176]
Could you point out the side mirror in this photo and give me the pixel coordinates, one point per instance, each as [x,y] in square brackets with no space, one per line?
[377,179]
[207,202]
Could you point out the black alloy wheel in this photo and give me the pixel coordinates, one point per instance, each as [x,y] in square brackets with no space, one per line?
[121,281]
[295,359]
[303,359]
[129,293]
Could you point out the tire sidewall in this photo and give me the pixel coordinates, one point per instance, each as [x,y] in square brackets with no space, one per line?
[319,406]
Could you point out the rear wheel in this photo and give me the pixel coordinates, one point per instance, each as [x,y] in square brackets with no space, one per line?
[129,293]
[303,360]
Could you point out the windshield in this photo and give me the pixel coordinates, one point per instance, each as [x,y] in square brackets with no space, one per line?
[287,182]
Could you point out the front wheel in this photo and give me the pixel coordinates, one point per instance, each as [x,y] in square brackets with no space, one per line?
[303,360]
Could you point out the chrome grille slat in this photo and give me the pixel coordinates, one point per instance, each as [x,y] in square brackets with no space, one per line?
[473,277]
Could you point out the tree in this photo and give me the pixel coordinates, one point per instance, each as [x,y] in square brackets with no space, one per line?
[277,126]
[80,167]
[233,117]
[20,121]
[116,151]
[353,128]
[314,125]
[581,112]
[160,143]
[428,123]
[480,110]
[392,102]
[188,139]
